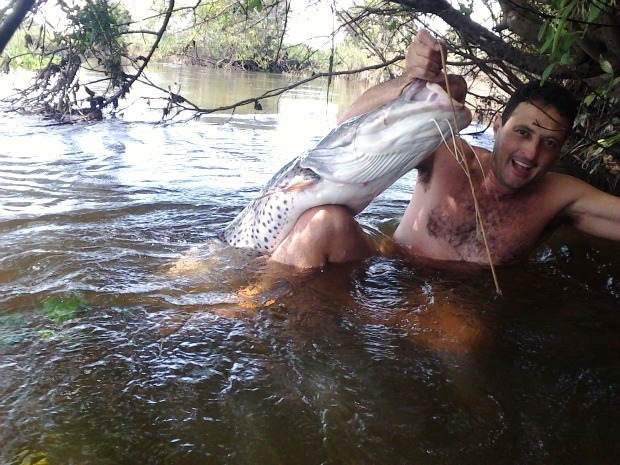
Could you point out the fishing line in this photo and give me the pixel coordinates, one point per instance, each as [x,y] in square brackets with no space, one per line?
[463,162]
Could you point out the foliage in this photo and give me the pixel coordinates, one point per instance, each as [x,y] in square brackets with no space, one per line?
[568,22]
[564,25]
[92,38]
[21,56]
[379,36]
[597,146]
[95,30]
[247,34]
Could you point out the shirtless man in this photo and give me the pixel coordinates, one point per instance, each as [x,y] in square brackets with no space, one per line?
[520,201]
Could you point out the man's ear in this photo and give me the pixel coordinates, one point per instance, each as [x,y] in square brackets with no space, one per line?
[497,123]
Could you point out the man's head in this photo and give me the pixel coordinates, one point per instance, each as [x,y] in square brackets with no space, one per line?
[545,95]
[530,133]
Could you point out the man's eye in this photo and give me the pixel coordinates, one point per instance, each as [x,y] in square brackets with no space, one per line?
[551,143]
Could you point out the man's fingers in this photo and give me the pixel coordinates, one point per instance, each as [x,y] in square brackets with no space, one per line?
[426,38]
[424,57]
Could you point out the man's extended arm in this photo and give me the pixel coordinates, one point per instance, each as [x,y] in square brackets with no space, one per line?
[376,96]
[594,211]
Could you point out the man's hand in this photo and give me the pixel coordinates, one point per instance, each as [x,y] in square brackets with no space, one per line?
[423,60]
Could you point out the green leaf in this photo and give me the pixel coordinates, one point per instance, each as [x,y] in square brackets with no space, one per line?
[609,141]
[595,9]
[606,65]
[588,99]
[542,31]
[547,72]
[465,10]
[548,41]
[256,5]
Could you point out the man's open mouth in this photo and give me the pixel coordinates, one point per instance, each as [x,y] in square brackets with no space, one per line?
[522,166]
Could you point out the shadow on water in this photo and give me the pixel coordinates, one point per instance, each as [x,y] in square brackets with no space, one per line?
[129,334]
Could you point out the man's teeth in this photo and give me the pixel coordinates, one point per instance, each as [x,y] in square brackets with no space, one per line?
[522,165]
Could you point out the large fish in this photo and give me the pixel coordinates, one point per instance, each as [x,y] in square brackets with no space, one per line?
[353,164]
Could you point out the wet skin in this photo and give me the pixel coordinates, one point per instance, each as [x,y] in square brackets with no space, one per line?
[510,186]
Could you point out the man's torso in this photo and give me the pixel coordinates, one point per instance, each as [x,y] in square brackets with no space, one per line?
[441,221]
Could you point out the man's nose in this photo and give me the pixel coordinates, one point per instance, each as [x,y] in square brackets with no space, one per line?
[531,148]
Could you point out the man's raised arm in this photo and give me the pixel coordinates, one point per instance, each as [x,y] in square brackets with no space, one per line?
[423,61]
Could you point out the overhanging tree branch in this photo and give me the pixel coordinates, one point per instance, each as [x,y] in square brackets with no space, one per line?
[492,44]
[145,60]
[12,21]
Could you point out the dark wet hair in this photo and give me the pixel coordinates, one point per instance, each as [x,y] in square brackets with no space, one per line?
[549,93]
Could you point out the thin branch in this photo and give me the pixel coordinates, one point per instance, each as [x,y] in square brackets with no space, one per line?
[12,21]
[145,60]
[280,90]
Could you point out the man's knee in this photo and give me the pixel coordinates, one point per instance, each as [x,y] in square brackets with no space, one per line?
[327,220]
[335,234]
[328,233]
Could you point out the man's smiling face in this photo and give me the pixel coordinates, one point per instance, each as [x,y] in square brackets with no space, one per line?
[527,145]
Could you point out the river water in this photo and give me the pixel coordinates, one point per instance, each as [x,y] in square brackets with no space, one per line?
[130,334]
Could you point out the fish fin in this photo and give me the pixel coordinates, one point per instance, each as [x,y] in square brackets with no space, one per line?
[292,188]
[343,158]
[350,165]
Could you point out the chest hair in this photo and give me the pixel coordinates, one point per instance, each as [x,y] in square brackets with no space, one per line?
[510,232]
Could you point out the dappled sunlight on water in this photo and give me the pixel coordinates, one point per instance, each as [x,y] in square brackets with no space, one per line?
[129,333]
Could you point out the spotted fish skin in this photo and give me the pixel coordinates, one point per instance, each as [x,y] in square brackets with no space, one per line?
[350,166]
[268,219]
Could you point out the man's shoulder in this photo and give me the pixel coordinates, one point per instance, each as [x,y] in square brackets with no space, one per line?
[457,149]
[561,190]
[447,160]
[480,152]
[572,190]
[563,182]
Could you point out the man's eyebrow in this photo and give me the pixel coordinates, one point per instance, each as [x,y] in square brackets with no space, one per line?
[536,123]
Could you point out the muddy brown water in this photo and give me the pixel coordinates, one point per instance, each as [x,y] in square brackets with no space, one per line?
[130,334]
